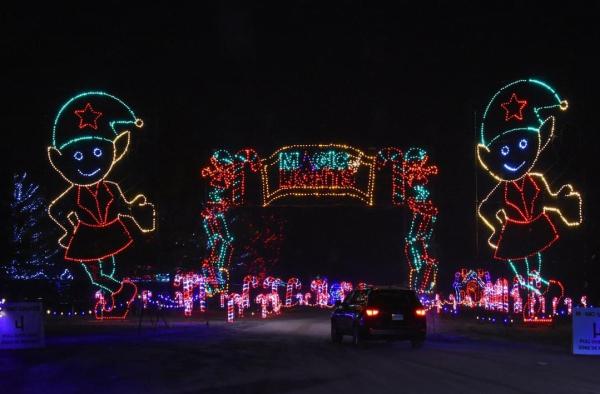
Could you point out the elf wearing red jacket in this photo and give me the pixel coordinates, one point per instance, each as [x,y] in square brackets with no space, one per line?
[90,135]
[522,212]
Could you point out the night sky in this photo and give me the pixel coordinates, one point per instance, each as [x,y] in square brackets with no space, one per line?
[236,75]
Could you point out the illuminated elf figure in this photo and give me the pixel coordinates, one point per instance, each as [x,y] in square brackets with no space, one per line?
[522,211]
[89,136]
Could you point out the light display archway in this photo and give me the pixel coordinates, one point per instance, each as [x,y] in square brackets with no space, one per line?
[319,170]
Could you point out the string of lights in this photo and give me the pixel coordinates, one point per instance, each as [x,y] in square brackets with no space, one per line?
[410,174]
[226,174]
[90,135]
[318,170]
[517,125]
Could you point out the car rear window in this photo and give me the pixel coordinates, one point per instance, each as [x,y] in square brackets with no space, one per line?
[393,298]
[357,297]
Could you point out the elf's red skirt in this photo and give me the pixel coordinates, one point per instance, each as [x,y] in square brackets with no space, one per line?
[521,239]
[93,242]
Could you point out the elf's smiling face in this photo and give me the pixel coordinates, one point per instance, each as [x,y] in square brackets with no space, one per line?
[513,154]
[87,161]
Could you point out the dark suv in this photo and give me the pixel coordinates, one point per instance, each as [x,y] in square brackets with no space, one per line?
[388,312]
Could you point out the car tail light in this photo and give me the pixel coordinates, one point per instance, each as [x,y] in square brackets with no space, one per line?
[420,312]
[372,312]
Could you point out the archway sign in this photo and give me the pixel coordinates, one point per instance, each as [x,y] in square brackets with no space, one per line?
[313,171]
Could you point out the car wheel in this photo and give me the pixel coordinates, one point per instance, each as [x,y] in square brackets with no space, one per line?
[336,337]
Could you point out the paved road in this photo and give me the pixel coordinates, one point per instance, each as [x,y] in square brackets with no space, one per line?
[292,354]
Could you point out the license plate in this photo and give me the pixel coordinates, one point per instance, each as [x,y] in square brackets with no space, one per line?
[397,316]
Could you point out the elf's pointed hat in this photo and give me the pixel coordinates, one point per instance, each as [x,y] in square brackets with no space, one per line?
[521,105]
[92,115]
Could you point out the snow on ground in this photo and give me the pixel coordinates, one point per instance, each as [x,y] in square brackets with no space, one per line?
[290,354]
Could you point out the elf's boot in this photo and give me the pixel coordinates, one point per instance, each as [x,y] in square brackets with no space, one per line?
[120,301]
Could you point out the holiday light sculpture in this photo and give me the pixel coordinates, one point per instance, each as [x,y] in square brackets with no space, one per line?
[188,281]
[554,306]
[306,299]
[275,303]
[318,171]
[515,293]
[410,175]
[468,301]
[346,288]
[90,135]
[569,305]
[292,284]
[503,294]
[499,296]
[438,304]
[202,293]
[320,288]
[488,294]
[470,283]
[146,297]
[266,300]
[522,210]
[452,300]
[100,301]
[272,283]
[234,300]
[230,310]
[250,281]
[262,300]
[227,181]
[338,291]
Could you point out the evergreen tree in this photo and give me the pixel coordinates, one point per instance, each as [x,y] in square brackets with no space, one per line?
[32,248]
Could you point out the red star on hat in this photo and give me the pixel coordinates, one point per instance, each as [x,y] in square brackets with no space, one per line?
[88,117]
[511,108]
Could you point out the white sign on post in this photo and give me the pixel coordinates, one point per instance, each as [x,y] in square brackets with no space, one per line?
[21,326]
[586,331]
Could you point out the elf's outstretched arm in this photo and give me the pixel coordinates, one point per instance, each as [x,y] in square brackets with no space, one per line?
[565,202]
[147,223]
[61,212]
[490,215]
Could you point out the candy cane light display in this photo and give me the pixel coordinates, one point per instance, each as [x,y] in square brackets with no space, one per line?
[266,300]
[234,300]
[320,288]
[272,283]
[187,282]
[569,305]
[250,281]
[292,284]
